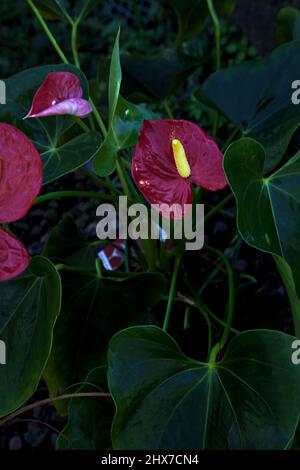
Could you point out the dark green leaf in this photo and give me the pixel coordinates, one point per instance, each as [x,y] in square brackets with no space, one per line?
[268,208]
[92,312]
[165,400]
[66,243]
[28,310]
[156,77]
[89,418]
[192,15]
[256,97]
[62,159]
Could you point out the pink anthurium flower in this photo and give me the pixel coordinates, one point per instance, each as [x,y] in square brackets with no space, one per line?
[169,156]
[21,175]
[60,93]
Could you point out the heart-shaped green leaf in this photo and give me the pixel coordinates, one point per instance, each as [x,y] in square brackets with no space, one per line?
[92,312]
[192,15]
[62,159]
[165,400]
[28,310]
[268,208]
[59,156]
[89,418]
[257,97]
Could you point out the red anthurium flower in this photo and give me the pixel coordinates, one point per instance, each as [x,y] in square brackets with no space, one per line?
[21,175]
[60,93]
[14,257]
[169,156]
[112,256]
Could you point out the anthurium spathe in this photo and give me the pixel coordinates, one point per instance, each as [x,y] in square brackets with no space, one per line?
[21,175]
[169,156]
[14,257]
[60,93]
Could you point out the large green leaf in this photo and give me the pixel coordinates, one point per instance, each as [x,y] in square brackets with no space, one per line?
[59,157]
[93,310]
[28,310]
[89,418]
[192,15]
[67,244]
[165,400]
[268,208]
[288,25]
[256,97]
[155,77]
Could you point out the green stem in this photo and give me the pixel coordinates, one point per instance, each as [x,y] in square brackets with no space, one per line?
[217,31]
[83,125]
[230,304]
[177,264]
[61,194]
[66,267]
[98,268]
[122,177]
[48,32]
[206,318]
[168,109]
[289,284]
[98,118]
[74,44]
[218,207]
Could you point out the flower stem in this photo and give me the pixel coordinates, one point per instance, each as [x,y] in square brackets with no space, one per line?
[80,269]
[122,177]
[218,207]
[47,401]
[98,118]
[177,264]
[217,30]
[61,194]
[230,306]
[48,32]
[74,44]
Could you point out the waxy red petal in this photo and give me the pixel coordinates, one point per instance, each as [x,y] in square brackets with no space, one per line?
[21,173]
[60,93]
[112,256]
[154,169]
[14,258]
